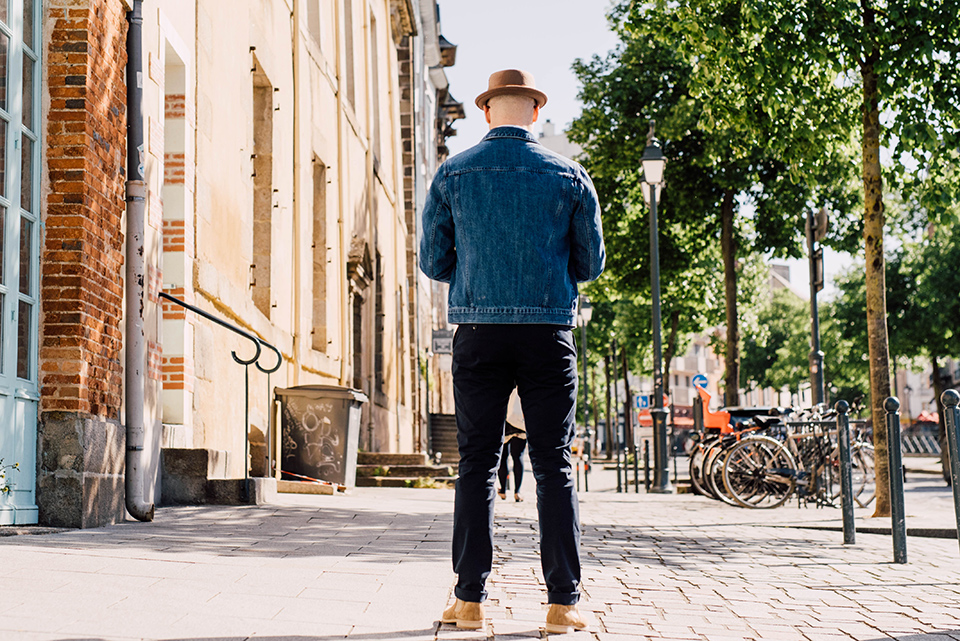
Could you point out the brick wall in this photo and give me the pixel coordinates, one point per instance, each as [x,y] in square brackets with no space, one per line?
[80,439]
[82,284]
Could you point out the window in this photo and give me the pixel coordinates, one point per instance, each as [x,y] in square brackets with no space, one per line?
[375,64]
[262,189]
[379,328]
[319,256]
[349,45]
[19,192]
[358,342]
[313,19]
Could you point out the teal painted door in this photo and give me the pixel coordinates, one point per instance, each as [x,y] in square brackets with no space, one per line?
[19,254]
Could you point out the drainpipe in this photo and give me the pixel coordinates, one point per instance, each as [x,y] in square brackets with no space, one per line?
[136,208]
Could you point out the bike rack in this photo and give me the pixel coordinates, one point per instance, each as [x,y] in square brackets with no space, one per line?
[258,344]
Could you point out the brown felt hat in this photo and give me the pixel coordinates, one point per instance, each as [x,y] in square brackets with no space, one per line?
[511,81]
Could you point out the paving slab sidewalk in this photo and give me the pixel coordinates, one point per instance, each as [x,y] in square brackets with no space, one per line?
[374,565]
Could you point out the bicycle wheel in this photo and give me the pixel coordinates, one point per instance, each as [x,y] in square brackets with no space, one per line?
[864,474]
[863,477]
[713,472]
[696,465]
[759,472]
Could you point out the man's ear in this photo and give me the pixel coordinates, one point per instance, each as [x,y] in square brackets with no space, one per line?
[486,113]
[536,110]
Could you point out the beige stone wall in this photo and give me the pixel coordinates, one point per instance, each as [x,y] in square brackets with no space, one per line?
[209,239]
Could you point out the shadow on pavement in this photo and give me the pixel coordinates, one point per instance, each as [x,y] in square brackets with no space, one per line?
[371,636]
[946,635]
[269,532]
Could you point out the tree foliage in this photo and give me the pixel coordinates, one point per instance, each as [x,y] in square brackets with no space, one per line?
[711,177]
[804,77]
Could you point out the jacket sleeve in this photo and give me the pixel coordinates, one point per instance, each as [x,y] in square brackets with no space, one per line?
[587,253]
[438,253]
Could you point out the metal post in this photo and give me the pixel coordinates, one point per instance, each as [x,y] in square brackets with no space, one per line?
[586,401]
[816,355]
[661,471]
[636,467]
[897,518]
[577,465]
[646,465]
[950,399]
[846,472]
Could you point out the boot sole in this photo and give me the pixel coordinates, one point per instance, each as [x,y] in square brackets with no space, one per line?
[463,624]
[552,628]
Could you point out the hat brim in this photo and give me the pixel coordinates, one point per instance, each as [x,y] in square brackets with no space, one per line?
[536,94]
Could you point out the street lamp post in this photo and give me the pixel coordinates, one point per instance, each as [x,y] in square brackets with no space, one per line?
[816,228]
[586,313]
[653,163]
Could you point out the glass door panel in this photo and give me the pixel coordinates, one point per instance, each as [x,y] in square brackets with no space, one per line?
[19,248]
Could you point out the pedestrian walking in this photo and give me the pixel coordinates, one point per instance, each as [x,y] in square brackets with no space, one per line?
[514,444]
[512,227]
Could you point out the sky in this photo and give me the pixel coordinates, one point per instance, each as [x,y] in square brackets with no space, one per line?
[544,37]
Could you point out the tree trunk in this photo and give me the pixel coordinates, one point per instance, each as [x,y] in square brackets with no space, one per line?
[873,219]
[609,428]
[671,348]
[942,427]
[627,410]
[728,246]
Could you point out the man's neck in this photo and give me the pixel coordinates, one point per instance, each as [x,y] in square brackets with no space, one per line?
[527,126]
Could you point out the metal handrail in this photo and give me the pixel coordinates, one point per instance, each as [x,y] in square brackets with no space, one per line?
[259,344]
[222,323]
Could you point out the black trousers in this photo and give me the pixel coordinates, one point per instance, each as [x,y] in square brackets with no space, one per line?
[512,450]
[541,361]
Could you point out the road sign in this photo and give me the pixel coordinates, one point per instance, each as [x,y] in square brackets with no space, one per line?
[642,401]
[700,380]
[442,341]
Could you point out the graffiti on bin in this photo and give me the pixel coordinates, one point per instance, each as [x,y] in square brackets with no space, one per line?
[320,442]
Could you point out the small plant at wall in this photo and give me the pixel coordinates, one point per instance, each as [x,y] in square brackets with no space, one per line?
[4,486]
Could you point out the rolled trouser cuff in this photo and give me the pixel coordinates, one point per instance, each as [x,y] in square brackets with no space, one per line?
[563,598]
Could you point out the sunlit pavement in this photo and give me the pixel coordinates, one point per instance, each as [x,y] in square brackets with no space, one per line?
[374,565]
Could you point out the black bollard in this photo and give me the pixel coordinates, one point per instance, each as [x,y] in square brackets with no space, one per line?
[846,472]
[897,517]
[951,398]
[636,469]
[617,449]
[646,465]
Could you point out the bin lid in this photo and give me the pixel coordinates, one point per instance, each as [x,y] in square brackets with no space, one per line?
[323,391]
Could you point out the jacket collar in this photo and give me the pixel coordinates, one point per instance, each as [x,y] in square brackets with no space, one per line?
[509,131]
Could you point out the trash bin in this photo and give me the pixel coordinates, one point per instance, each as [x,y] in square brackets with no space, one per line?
[319,432]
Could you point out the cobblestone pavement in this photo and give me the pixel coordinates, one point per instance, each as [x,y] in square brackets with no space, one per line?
[374,565]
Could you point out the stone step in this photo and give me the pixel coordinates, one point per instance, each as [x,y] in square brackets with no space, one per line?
[383,458]
[407,471]
[401,481]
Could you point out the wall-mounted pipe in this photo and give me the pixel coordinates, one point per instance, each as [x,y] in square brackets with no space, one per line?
[136,359]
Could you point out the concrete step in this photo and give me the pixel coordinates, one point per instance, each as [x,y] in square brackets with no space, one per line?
[401,481]
[383,458]
[407,471]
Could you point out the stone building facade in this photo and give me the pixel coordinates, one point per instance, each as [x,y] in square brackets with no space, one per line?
[286,143]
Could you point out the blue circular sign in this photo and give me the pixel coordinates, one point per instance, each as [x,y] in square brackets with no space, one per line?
[700,380]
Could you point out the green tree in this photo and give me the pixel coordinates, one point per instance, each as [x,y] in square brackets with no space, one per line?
[777,354]
[805,77]
[712,182]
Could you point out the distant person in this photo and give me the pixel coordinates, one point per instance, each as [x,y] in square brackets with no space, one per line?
[512,227]
[514,444]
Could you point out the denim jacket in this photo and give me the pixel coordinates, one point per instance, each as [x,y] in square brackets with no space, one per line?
[513,227]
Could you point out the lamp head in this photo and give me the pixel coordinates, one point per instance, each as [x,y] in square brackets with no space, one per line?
[586,310]
[652,160]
